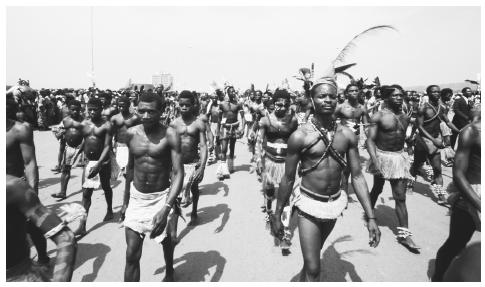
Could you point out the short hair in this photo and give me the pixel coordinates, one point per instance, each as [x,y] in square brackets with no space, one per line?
[281,94]
[351,85]
[150,97]
[95,102]
[105,95]
[123,99]
[187,95]
[428,89]
[73,102]
[446,92]
[464,89]
[386,91]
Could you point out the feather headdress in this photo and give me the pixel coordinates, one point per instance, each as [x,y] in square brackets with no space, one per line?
[330,74]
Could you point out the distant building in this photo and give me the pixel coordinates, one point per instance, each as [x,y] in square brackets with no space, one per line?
[164,79]
[157,80]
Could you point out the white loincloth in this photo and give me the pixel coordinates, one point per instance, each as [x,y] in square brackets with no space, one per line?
[122,152]
[390,164]
[319,209]
[141,209]
[94,182]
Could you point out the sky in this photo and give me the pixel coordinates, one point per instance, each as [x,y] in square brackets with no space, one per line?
[51,46]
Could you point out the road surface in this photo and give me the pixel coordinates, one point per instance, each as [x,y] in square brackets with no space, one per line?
[231,242]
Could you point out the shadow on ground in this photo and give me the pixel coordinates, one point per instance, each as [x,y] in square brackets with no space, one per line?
[214,188]
[195,266]
[46,182]
[87,252]
[243,167]
[207,215]
[333,265]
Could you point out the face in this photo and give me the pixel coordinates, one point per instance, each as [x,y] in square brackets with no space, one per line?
[352,92]
[324,99]
[467,93]
[103,100]
[94,111]
[231,93]
[74,111]
[124,106]
[396,99]
[149,113]
[186,106]
[280,107]
[257,97]
[434,94]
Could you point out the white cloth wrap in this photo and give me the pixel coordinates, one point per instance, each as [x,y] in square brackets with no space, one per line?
[322,210]
[122,156]
[390,164]
[142,207]
[94,182]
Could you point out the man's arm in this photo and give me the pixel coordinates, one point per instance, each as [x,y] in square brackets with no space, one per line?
[360,187]
[258,150]
[23,196]
[420,121]
[465,142]
[27,148]
[449,123]
[371,136]
[130,168]
[203,150]
[243,120]
[108,137]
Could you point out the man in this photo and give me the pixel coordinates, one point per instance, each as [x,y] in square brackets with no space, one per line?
[256,110]
[97,134]
[108,110]
[465,196]
[319,146]
[213,115]
[429,141]
[388,160]
[73,139]
[351,114]
[24,206]
[192,132]
[154,156]
[274,131]
[229,130]
[21,162]
[121,122]
[462,112]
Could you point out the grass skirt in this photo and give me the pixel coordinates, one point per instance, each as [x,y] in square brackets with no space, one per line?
[390,164]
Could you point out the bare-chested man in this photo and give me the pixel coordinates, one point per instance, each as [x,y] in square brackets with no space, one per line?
[192,132]
[465,196]
[21,162]
[274,130]
[351,114]
[429,141]
[108,110]
[97,134]
[319,146]
[229,130]
[213,115]
[256,111]
[121,122]
[388,160]
[73,138]
[154,156]
[24,208]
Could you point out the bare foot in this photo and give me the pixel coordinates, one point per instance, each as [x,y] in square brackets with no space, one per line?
[169,277]
[193,220]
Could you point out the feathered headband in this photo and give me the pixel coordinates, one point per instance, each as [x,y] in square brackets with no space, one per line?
[329,76]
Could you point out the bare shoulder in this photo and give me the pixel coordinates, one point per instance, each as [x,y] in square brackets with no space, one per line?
[300,137]
[347,133]
[23,130]
[200,123]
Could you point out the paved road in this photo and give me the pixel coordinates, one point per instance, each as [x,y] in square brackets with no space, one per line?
[231,242]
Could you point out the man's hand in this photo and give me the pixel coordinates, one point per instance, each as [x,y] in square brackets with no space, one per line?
[276,226]
[159,222]
[438,143]
[240,134]
[93,171]
[374,233]
[199,174]
[122,212]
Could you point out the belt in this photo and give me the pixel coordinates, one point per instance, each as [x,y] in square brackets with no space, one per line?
[319,197]
[226,125]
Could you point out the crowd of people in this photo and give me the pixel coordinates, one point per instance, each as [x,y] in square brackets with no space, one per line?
[305,145]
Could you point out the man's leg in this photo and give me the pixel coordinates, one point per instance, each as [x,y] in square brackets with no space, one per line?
[169,247]
[222,169]
[39,241]
[376,189]
[134,247]
[104,176]
[195,201]
[86,201]
[312,238]
[437,186]
[461,230]
[399,194]
[232,145]
[60,155]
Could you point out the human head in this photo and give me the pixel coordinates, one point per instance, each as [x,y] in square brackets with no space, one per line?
[74,107]
[394,96]
[258,96]
[433,92]
[231,92]
[281,100]
[446,95]
[323,96]
[467,92]
[150,107]
[187,103]
[105,98]
[123,103]
[95,107]
[352,92]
